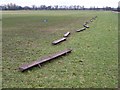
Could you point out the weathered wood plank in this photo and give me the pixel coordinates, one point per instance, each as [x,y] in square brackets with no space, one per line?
[91,20]
[86,26]
[58,41]
[67,34]
[45,59]
[87,22]
[95,17]
[82,29]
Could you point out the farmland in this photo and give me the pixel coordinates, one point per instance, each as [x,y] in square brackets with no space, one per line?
[93,61]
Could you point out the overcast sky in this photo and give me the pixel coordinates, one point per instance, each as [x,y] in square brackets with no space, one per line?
[86,3]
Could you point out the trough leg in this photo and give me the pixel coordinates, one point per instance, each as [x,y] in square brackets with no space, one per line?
[39,65]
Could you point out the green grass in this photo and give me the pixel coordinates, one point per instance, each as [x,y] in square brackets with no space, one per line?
[92,63]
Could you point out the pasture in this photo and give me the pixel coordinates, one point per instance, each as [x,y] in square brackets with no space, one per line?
[28,36]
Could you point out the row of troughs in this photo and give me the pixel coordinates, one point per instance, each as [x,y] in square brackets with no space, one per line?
[85,26]
[58,54]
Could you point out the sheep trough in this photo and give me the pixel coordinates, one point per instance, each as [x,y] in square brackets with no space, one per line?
[87,22]
[82,29]
[67,34]
[58,41]
[91,20]
[86,26]
[43,60]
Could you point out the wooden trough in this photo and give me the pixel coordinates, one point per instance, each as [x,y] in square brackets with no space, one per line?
[67,34]
[91,20]
[58,41]
[86,26]
[82,29]
[86,23]
[95,16]
[42,60]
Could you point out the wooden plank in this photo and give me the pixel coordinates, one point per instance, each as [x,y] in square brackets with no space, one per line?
[82,29]
[86,23]
[67,34]
[86,26]
[91,20]
[95,16]
[58,41]
[42,60]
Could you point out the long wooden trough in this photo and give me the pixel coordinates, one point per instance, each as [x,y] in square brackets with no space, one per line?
[67,34]
[42,60]
[82,29]
[58,41]
[86,26]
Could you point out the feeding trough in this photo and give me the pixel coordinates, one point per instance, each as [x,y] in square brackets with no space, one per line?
[43,60]
[86,26]
[95,16]
[67,34]
[58,41]
[82,29]
[91,20]
[45,20]
[86,23]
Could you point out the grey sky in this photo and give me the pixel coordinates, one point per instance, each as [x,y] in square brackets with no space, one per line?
[86,3]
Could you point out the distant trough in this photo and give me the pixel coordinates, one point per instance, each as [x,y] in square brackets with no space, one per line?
[67,34]
[58,41]
[82,29]
[86,23]
[91,20]
[86,26]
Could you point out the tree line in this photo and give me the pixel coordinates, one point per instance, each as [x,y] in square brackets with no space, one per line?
[12,6]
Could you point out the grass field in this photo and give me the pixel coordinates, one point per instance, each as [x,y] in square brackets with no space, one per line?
[92,63]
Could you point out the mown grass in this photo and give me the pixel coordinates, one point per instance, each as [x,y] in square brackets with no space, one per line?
[92,63]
